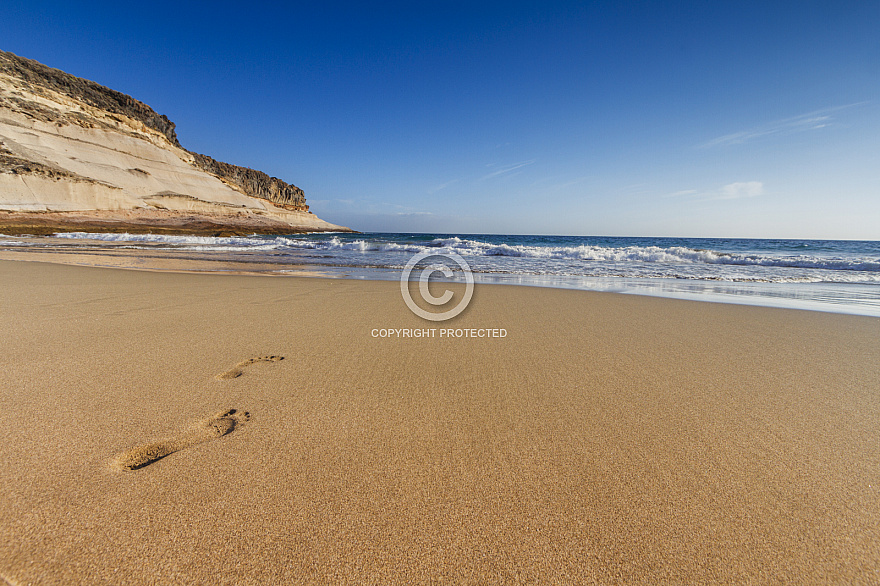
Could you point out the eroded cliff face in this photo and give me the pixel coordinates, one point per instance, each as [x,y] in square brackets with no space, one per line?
[39,78]
[71,145]
[255,183]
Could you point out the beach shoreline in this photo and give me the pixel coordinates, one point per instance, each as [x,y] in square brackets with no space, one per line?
[605,438]
[846,298]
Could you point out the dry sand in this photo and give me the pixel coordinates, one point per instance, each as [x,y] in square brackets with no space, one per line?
[607,438]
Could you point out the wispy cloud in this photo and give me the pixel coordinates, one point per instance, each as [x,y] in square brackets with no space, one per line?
[571,183]
[443,186]
[508,169]
[737,190]
[741,189]
[558,182]
[805,122]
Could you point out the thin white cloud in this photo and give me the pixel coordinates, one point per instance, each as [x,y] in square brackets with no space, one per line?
[741,189]
[635,189]
[805,122]
[737,190]
[443,186]
[572,183]
[557,183]
[508,169]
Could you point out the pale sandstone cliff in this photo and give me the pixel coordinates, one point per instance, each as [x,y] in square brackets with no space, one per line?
[75,155]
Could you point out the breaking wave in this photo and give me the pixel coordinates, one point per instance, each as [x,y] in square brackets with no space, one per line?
[654,254]
[672,255]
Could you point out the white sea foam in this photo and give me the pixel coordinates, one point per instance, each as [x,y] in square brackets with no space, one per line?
[652,254]
[16,241]
[354,245]
[163,239]
[825,273]
[630,254]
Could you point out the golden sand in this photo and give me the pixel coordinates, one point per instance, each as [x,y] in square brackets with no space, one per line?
[606,439]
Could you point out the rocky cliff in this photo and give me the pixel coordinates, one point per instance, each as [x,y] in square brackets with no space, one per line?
[255,183]
[71,148]
[39,78]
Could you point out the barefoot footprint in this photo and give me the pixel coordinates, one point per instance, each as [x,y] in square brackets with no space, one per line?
[237,370]
[206,430]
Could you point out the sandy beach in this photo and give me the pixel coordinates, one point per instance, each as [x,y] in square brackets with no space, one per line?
[605,439]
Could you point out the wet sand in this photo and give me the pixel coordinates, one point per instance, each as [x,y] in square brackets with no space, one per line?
[182,428]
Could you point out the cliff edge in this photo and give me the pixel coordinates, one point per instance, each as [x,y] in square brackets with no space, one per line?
[75,155]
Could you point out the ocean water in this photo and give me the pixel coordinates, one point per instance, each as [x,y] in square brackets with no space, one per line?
[829,275]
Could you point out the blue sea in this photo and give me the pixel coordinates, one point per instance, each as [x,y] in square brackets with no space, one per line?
[827,275]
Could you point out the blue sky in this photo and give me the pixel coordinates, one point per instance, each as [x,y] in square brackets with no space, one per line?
[732,119]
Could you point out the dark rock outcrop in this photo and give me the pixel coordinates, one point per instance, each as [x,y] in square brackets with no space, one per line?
[255,183]
[10,163]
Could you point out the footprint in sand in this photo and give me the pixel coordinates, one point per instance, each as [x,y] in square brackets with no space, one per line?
[237,370]
[203,431]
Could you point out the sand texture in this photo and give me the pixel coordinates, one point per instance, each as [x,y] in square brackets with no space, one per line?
[151,433]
